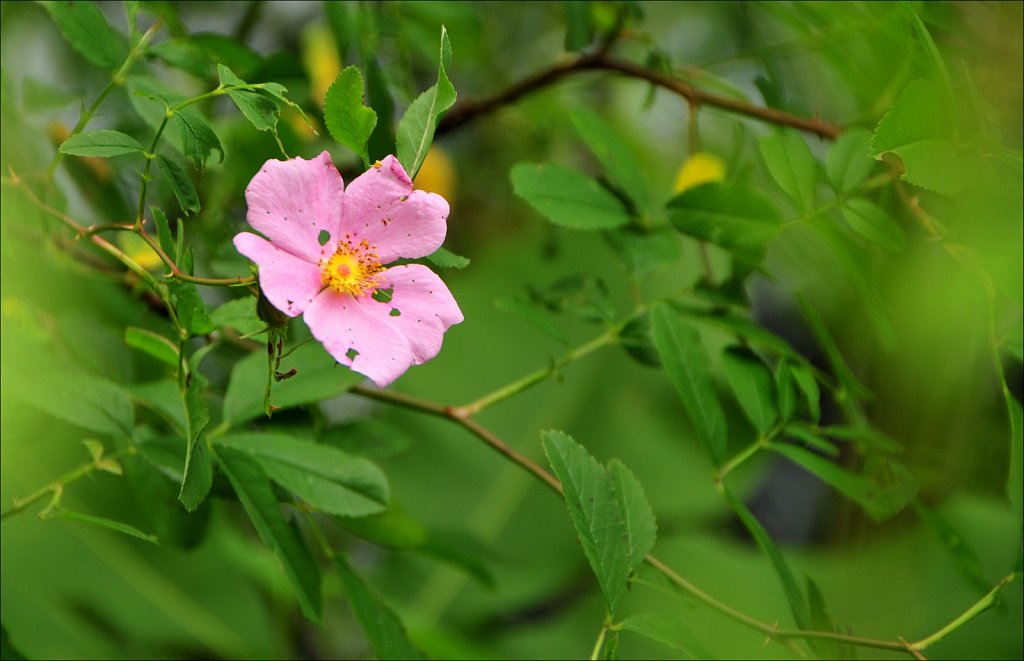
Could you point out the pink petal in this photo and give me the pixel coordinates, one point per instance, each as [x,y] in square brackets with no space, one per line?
[426,309]
[382,207]
[291,201]
[341,323]
[288,282]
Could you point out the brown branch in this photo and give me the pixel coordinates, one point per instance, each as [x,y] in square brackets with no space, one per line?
[470,109]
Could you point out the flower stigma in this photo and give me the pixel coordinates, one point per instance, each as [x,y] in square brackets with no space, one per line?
[352,269]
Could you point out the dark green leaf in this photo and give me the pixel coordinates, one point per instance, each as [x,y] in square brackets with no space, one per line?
[262,111]
[794,596]
[641,527]
[239,314]
[188,198]
[381,625]
[163,231]
[329,479]
[742,328]
[190,308]
[812,440]
[668,630]
[804,378]
[228,51]
[416,128]
[445,259]
[197,138]
[154,344]
[257,497]
[594,510]
[103,143]
[348,120]
[636,338]
[753,386]
[644,252]
[785,385]
[101,522]
[687,364]
[791,165]
[867,439]
[568,198]
[882,495]
[849,386]
[182,54]
[378,97]
[611,150]
[197,476]
[318,378]
[7,649]
[83,25]
[1013,342]
[729,215]
[579,30]
[874,224]
[849,160]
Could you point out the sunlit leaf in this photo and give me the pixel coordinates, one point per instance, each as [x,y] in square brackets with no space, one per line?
[350,122]
[416,128]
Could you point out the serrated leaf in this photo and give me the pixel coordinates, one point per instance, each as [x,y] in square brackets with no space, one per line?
[257,497]
[641,526]
[752,383]
[689,369]
[445,259]
[849,160]
[184,190]
[918,129]
[616,157]
[197,474]
[154,344]
[348,120]
[102,143]
[318,377]
[874,224]
[190,308]
[198,140]
[791,165]
[239,314]
[84,400]
[594,511]
[83,25]
[568,198]
[102,522]
[331,480]
[416,128]
[881,498]
[794,596]
[729,215]
[383,629]
[667,630]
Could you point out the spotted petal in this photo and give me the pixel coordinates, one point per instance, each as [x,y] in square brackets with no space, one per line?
[382,207]
[288,282]
[421,309]
[291,202]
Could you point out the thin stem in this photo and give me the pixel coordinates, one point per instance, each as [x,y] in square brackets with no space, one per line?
[740,458]
[468,110]
[976,609]
[21,504]
[596,654]
[178,274]
[150,157]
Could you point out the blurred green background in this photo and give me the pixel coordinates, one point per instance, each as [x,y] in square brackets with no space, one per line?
[914,326]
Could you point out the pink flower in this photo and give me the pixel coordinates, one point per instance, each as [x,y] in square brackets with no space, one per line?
[326,255]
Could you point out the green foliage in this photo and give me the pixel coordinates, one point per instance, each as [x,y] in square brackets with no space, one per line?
[568,198]
[615,155]
[349,121]
[103,143]
[730,215]
[753,386]
[791,165]
[668,630]
[416,128]
[83,25]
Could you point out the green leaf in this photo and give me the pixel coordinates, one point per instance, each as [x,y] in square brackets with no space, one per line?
[579,29]
[789,585]
[445,259]
[190,308]
[329,479]
[197,138]
[641,526]
[182,54]
[595,512]
[416,128]
[753,386]
[101,522]
[164,398]
[188,198]
[257,497]
[804,378]
[239,314]
[318,378]
[874,224]
[849,160]
[645,251]
[568,198]
[227,50]
[348,120]
[84,27]
[732,216]
[966,560]
[383,629]
[867,439]
[668,630]
[742,327]
[154,344]
[882,497]
[689,369]
[785,385]
[918,129]
[163,231]
[262,110]
[849,386]
[821,620]
[812,440]
[378,97]
[103,143]
[84,400]
[791,165]
[197,475]
[615,156]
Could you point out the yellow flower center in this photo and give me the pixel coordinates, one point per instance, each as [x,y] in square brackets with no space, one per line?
[352,269]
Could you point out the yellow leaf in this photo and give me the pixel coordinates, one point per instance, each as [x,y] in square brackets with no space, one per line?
[701,168]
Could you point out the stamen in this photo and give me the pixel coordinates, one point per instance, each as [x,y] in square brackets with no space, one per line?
[353,269]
